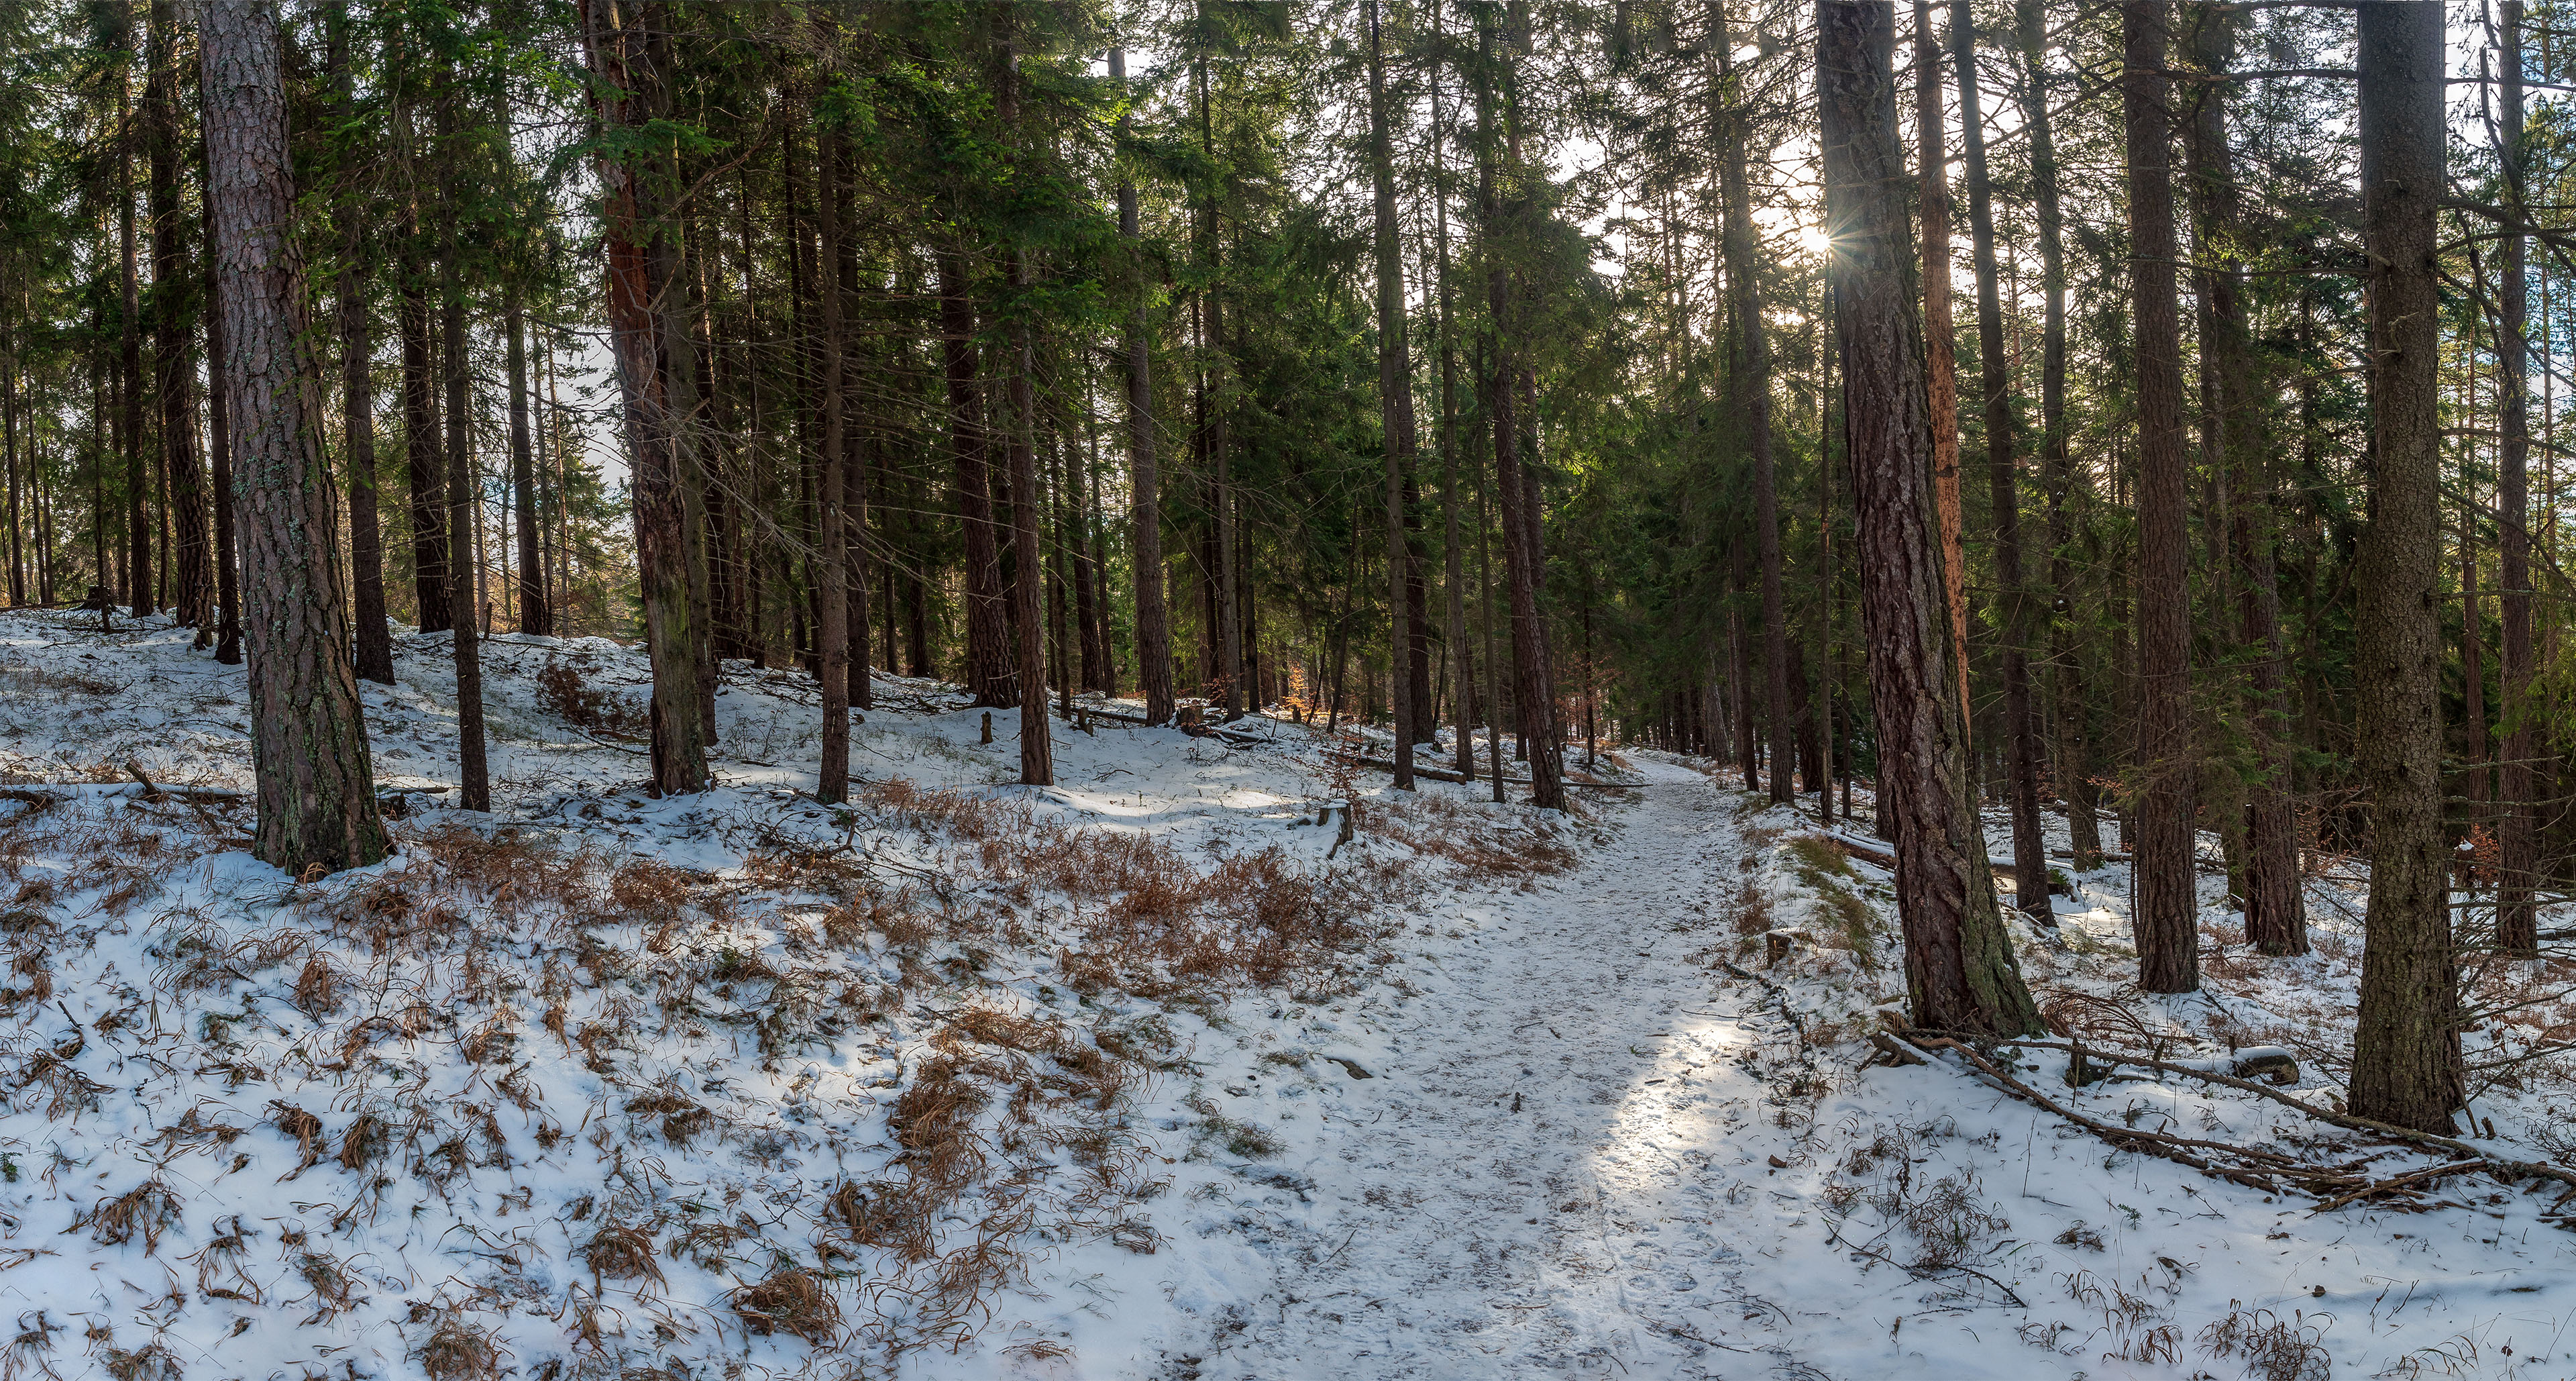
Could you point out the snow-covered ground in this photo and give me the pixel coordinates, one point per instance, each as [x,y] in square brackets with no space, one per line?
[1139,1076]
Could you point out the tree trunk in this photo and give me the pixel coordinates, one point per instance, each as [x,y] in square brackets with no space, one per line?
[2164,905]
[1959,963]
[652,374]
[2021,728]
[219,439]
[465,496]
[2517,823]
[2073,765]
[317,799]
[375,658]
[1533,683]
[1144,499]
[988,648]
[2405,1054]
[534,616]
[175,374]
[138,546]
[425,467]
[1037,752]
[1395,409]
[1462,664]
[1940,349]
[832,633]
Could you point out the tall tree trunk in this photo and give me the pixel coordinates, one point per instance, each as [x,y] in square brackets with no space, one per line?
[219,438]
[1748,384]
[988,646]
[2074,765]
[1940,337]
[2020,623]
[316,786]
[653,377]
[174,372]
[465,495]
[2517,821]
[1037,749]
[1144,497]
[1533,679]
[1959,965]
[374,652]
[1395,408]
[2405,1050]
[138,546]
[2163,878]
[832,635]
[1462,664]
[535,617]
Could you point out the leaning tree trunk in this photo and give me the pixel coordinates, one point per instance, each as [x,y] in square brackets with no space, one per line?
[631,92]
[1959,963]
[2405,1048]
[2163,878]
[316,786]
[2074,766]
[2517,824]
[1395,408]
[2021,617]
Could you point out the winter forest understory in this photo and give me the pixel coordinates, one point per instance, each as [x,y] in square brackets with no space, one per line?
[1211,689]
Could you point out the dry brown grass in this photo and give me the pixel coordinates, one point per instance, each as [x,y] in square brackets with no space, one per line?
[620,1252]
[147,1211]
[795,1302]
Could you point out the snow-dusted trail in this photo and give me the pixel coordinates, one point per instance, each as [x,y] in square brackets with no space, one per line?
[1524,1190]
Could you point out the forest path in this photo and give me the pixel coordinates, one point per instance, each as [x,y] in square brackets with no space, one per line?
[1541,1183]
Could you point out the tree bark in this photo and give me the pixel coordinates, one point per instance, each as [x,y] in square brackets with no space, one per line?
[138,543]
[1940,336]
[1959,964]
[2405,1056]
[1524,571]
[832,635]
[988,647]
[2517,824]
[1037,749]
[2164,906]
[2021,727]
[219,447]
[1395,408]
[1748,385]
[1144,497]
[652,373]
[374,651]
[174,372]
[535,616]
[316,787]
[465,494]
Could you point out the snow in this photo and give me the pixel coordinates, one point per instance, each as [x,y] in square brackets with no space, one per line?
[1121,1078]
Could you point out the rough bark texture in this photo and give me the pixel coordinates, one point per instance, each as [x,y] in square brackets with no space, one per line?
[1145,505]
[2073,766]
[2405,1057]
[2161,869]
[375,656]
[1395,409]
[652,375]
[1959,963]
[464,493]
[138,485]
[2517,822]
[1940,349]
[317,800]
[219,451]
